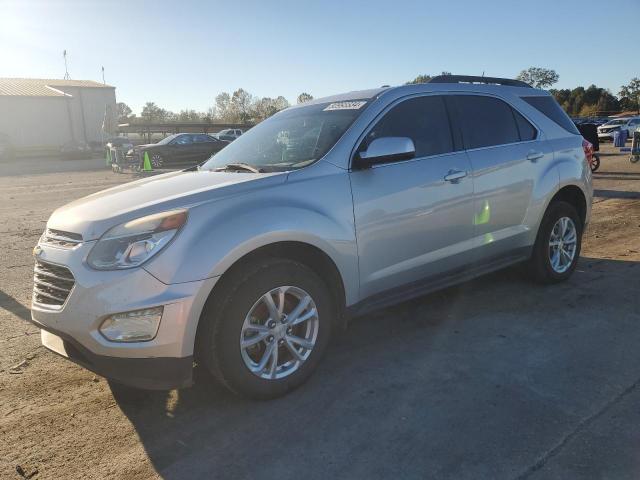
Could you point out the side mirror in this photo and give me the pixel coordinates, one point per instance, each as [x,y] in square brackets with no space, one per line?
[385,150]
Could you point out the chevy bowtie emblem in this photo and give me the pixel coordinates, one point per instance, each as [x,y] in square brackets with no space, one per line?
[37,250]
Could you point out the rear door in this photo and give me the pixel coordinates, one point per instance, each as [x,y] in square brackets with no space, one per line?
[204,147]
[413,218]
[507,155]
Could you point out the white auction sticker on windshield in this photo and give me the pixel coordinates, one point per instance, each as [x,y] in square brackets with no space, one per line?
[345,106]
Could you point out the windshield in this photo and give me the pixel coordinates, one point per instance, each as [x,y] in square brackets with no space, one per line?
[291,139]
[616,122]
[166,140]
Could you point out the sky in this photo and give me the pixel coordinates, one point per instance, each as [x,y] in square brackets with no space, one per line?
[180,55]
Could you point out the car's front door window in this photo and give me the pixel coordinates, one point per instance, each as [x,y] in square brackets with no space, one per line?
[424,120]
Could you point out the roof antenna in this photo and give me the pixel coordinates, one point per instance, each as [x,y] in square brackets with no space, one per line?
[66,70]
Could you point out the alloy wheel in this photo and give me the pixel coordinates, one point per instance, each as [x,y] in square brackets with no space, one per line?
[156,160]
[562,244]
[279,332]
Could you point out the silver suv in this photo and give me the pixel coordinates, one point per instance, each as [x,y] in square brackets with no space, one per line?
[326,210]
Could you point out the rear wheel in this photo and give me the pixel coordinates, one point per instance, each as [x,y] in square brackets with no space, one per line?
[557,248]
[268,333]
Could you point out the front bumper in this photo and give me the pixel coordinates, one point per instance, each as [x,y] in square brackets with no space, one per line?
[164,362]
[605,136]
[159,373]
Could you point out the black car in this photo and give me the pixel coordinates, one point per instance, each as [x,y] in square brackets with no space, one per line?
[181,150]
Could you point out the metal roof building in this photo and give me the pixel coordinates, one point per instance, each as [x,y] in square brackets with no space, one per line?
[41,115]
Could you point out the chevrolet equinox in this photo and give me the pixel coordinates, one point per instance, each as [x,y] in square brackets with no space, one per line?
[329,209]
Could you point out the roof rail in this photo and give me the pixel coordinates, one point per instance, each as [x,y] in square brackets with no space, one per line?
[471,79]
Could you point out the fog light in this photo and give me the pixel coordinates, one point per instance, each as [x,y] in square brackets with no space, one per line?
[136,326]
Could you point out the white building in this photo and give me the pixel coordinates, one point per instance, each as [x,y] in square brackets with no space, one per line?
[40,115]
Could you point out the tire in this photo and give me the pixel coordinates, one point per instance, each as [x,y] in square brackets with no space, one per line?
[226,322]
[634,158]
[540,265]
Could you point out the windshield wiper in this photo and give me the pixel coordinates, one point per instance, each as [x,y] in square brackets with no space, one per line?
[240,166]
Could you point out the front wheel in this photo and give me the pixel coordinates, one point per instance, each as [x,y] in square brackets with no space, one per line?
[557,248]
[266,331]
[157,161]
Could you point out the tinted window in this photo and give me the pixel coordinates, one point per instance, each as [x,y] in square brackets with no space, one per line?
[424,120]
[527,131]
[485,121]
[202,138]
[183,140]
[551,109]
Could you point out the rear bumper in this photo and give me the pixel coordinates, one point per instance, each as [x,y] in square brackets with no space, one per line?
[156,373]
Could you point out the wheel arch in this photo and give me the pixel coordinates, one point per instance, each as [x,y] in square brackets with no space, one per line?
[573,195]
[298,251]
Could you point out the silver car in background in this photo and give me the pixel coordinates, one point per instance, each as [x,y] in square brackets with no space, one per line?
[324,211]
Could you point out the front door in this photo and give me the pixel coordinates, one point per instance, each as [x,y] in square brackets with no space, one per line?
[414,219]
[183,150]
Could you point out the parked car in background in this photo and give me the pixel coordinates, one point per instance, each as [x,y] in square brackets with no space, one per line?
[122,143]
[229,134]
[591,120]
[328,209]
[630,124]
[76,150]
[181,150]
[6,147]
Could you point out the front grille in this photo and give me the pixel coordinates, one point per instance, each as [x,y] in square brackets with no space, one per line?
[62,239]
[51,284]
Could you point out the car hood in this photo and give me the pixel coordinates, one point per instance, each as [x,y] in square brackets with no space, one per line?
[93,215]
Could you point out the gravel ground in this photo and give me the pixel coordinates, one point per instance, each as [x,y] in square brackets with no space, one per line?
[496,378]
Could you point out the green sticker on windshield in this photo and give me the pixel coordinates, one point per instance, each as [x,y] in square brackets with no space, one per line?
[345,106]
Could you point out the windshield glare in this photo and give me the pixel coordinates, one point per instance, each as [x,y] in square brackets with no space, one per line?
[616,122]
[291,139]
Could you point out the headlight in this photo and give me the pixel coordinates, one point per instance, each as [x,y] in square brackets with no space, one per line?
[130,152]
[136,326]
[132,243]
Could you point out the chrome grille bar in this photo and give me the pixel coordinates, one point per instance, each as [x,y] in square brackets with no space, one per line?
[40,271]
[60,238]
[52,284]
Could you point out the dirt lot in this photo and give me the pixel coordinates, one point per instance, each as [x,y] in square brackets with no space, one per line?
[496,378]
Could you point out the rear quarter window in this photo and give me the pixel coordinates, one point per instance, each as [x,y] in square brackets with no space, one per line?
[550,108]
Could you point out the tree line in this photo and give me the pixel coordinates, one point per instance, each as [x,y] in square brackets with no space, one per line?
[243,107]
[237,107]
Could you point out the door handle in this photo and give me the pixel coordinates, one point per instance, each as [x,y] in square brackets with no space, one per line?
[454,175]
[534,156]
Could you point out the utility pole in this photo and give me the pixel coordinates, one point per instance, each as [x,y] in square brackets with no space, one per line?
[103,82]
[66,69]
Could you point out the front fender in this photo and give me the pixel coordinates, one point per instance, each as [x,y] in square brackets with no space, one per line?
[315,210]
